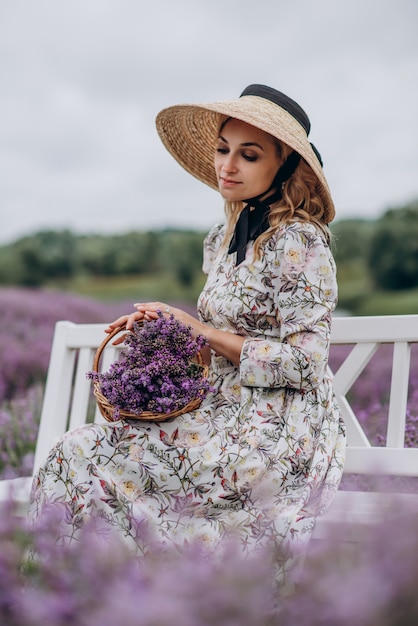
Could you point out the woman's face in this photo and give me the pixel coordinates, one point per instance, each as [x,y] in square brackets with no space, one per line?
[246,161]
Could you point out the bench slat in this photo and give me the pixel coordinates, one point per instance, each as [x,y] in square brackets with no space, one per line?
[374,460]
[355,433]
[352,514]
[398,395]
[82,389]
[57,396]
[352,367]
[374,329]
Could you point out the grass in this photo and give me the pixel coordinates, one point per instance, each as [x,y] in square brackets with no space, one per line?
[390,303]
[358,295]
[145,287]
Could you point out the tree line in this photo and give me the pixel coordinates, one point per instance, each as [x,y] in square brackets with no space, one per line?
[49,255]
[385,248]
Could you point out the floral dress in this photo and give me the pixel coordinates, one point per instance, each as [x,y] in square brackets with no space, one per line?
[263,455]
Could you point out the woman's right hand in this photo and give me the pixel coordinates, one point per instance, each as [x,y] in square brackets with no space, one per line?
[128,321]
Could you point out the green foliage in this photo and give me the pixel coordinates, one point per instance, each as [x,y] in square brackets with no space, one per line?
[161,286]
[47,257]
[374,259]
[353,284]
[34,259]
[381,302]
[393,257]
[351,242]
[182,253]
[351,239]
[116,255]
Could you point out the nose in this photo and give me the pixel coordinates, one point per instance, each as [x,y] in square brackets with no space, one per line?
[229,164]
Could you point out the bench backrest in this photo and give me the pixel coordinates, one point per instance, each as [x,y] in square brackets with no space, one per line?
[366,334]
[68,392]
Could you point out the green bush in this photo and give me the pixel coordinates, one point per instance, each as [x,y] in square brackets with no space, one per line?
[393,255]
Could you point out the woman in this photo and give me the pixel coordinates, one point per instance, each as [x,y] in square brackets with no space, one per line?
[263,455]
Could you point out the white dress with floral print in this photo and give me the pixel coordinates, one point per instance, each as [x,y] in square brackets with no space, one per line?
[263,455]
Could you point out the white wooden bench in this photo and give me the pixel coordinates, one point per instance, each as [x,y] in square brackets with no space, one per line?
[358,510]
[68,398]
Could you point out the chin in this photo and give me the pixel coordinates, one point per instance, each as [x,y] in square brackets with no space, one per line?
[231,197]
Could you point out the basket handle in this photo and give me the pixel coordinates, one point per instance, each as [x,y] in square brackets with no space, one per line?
[103,345]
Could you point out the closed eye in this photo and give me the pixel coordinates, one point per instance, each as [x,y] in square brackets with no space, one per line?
[250,157]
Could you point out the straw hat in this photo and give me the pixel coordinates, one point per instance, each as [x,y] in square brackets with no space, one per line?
[190,132]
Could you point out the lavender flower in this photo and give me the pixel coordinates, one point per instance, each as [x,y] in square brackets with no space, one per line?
[19,421]
[96,581]
[158,372]
[27,321]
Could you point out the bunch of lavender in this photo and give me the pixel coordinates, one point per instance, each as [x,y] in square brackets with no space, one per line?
[157,372]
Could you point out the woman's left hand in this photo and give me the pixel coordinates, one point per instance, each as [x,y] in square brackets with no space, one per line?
[150,310]
[222,342]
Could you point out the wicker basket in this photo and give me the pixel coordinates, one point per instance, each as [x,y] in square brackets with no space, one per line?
[107,410]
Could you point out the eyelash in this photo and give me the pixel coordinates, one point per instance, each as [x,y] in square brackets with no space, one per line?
[247,157]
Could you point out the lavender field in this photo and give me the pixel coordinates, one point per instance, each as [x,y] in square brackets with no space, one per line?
[97,582]
[370,394]
[27,319]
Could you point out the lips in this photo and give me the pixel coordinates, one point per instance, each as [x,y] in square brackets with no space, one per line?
[228,182]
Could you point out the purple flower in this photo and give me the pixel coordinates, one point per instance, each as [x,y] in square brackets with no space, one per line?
[158,371]
[18,432]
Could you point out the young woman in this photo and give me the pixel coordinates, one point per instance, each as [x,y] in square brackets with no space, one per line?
[263,455]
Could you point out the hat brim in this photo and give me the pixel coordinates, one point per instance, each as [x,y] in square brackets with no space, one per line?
[190,133]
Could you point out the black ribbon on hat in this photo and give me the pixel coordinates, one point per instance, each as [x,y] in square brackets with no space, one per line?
[253,219]
[286,103]
[283,101]
[317,154]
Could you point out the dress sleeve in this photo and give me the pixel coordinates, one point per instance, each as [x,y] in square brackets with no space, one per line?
[211,246]
[302,278]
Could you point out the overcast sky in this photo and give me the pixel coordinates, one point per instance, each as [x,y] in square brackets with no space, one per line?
[82,81]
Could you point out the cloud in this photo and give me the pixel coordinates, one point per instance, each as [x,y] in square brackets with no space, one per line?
[83,81]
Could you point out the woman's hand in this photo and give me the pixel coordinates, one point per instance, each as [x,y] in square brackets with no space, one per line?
[222,342]
[149,311]
[128,321]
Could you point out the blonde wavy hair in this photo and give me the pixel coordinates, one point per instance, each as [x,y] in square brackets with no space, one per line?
[300,202]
